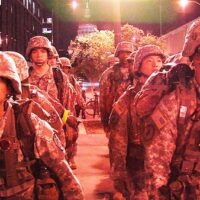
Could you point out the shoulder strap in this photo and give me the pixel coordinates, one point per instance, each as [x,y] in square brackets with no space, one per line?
[59,80]
[24,127]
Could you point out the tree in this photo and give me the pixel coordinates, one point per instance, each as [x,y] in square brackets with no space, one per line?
[131,34]
[152,39]
[138,37]
[89,53]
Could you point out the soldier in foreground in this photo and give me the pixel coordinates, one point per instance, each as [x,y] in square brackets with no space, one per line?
[169,102]
[126,151]
[30,150]
[54,82]
[115,81]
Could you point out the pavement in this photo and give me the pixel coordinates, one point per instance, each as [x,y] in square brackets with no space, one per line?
[93,162]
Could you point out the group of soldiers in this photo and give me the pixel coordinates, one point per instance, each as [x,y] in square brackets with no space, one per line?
[150,113]
[38,129]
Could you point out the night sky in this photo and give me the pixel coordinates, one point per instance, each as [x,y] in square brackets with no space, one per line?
[144,14]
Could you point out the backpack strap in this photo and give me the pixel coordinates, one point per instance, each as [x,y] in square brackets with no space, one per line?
[24,127]
[59,80]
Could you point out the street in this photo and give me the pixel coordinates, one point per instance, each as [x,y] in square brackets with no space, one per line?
[93,163]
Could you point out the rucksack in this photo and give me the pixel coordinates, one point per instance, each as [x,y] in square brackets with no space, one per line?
[59,81]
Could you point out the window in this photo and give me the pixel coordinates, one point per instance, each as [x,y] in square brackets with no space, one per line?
[33,7]
[49,20]
[46,30]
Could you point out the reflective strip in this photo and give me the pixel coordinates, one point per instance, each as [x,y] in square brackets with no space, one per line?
[17,189]
[65,115]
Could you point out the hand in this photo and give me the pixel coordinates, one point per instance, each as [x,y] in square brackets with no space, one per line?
[180,73]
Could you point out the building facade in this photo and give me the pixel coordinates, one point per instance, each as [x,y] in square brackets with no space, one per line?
[175,39]
[19,21]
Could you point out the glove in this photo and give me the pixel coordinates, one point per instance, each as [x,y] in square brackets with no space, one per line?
[121,186]
[180,73]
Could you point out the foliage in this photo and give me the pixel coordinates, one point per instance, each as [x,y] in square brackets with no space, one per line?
[152,39]
[90,52]
[131,33]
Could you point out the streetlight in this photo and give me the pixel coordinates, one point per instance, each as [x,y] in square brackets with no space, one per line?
[74,4]
[184,3]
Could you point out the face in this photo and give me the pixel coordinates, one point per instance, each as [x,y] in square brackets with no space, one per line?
[3,90]
[65,69]
[123,55]
[52,61]
[151,64]
[39,56]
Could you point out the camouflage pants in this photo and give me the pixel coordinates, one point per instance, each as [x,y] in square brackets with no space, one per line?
[135,168]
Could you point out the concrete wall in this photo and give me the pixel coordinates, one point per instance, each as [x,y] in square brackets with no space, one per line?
[175,39]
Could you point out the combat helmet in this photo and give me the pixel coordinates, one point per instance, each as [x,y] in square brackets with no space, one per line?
[65,62]
[54,51]
[38,42]
[192,39]
[112,59]
[21,64]
[124,46]
[145,51]
[8,70]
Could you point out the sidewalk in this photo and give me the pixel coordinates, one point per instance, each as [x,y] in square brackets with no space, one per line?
[93,165]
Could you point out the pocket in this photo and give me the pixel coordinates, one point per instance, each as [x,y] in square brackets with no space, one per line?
[46,189]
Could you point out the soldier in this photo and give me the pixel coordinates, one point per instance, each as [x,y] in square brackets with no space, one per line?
[79,101]
[170,101]
[52,109]
[49,79]
[53,81]
[115,81]
[30,151]
[126,153]
[54,60]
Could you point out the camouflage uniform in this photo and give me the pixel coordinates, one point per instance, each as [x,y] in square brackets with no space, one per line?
[79,101]
[171,103]
[126,151]
[30,150]
[47,82]
[113,82]
[55,83]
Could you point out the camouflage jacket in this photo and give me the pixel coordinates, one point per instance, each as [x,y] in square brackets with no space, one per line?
[121,131]
[38,141]
[113,82]
[47,84]
[79,99]
[46,108]
[164,113]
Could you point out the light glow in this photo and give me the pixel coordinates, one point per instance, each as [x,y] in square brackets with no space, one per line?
[183,3]
[74,4]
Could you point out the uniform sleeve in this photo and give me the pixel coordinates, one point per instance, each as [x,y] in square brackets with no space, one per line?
[104,100]
[150,94]
[69,96]
[48,148]
[118,140]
